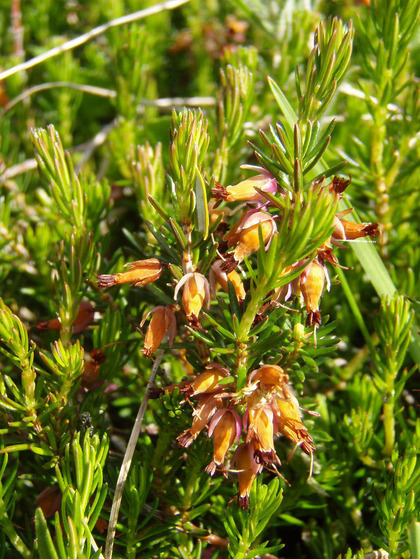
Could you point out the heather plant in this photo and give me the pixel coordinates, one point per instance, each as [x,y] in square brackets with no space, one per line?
[208,256]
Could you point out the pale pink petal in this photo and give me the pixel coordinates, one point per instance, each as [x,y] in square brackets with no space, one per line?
[215,420]
[181,283]
[150,312]
[238,425]
[254,218]
[170,321]
[245,419]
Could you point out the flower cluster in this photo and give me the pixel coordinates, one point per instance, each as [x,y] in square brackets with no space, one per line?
[311,283]
[263,410]
[244,419]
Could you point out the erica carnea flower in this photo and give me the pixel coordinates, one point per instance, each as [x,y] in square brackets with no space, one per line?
[268,378]
[207,381]
[289,420]
[206,406]
[225,428]
[345,230]
[311,285]
[245,190]
[259,423]
[247,469]
[139,273]
[195,295]
[244,236]
[163,323]
[273,409]
[218,276]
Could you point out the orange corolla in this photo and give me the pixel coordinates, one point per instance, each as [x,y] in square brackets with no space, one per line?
[84,317]
[245,190]
[247,469]
[289,421]
[311,285]
[349,230]
[225,427]
[139,273]
[245,236]
[207,381]
[91,369]
[268,377]
[218,276]
[259,424]
[206,407]
[163,323]
[195,295]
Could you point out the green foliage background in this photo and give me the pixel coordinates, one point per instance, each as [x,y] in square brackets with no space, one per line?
[110,100]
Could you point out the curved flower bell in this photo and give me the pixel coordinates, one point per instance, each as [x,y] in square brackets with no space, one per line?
[139,273]
[289,421]
[269,378]
[84,317]
[207,381]
[225,428]
[195,295]
[206,407]
[163,323]
[247,469]
[311,286]
[260,424]
[245,190]
[245,235]
[345,230]
[218,276]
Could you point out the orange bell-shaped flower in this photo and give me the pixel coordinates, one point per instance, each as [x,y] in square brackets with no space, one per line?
[163,323]
[225,428]
[207,381]
[245,235]
[206,407]
[139,273]
[245,190]
[195,295]
[218,276]
[311,284]
[247,469]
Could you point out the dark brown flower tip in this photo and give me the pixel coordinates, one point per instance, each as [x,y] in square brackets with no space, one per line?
[308,446]
[210,469]
[219,192]
[327,254]
[266,458]
[371,230]
[42,326]
[339,184]
[222,245]
[147,352]
[106,280]
[155,392]
[243,502]
[194,322]
[229,264]
[186,439]
[314,318]
[97,355]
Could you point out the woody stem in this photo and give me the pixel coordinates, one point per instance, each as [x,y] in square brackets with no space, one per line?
[128,456]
